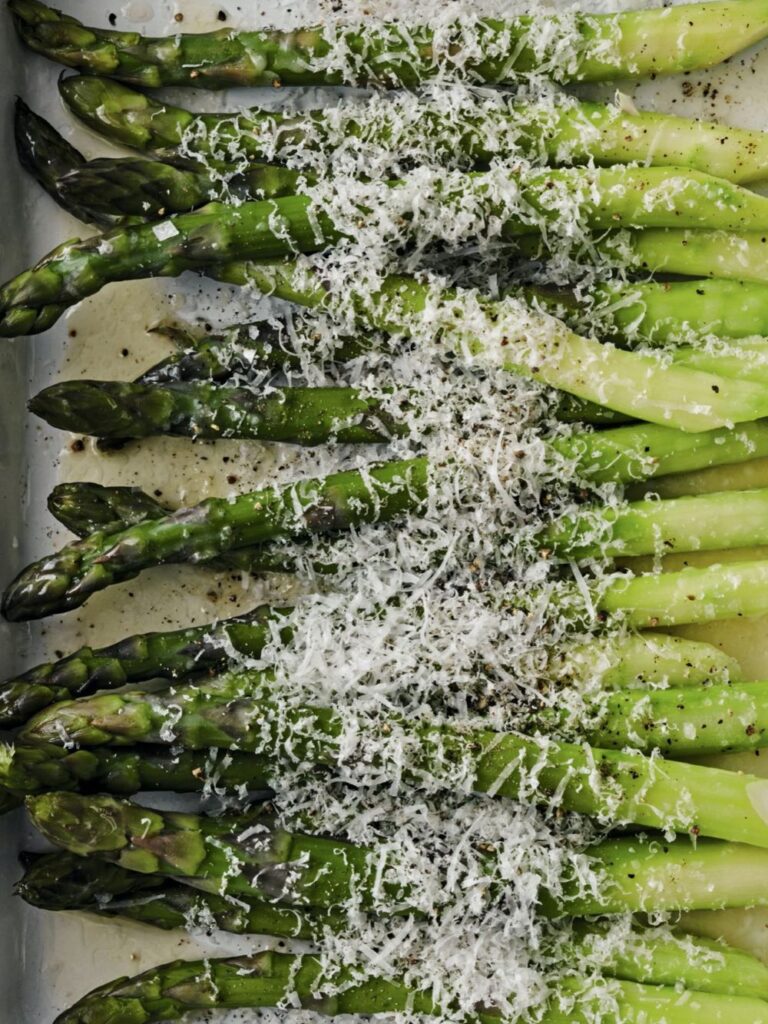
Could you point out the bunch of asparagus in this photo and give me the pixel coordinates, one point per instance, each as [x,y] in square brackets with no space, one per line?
[245,198]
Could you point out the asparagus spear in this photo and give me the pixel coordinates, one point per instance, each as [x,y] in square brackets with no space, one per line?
[741,256]
[637,874]
[576,132]
[730,591]
[278,979]
[120,411]
[227,855]
[401,298]
[692,523]
[123,190]
[63,881]
[46,155]
[648,875]
[684,722]
[168,655]
[680,721]
[337,502]
[267,979]
[598,47]
[378,494]
[85,508]
[661,312]
[613,786]
[30,769]
[645,659]
[242,349]
[293,415]
[654,957]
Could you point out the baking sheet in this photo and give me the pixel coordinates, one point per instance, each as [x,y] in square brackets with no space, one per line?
[46,960]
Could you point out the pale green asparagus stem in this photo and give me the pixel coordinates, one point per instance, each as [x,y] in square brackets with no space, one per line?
[645,659]
[652,876]
[731,591]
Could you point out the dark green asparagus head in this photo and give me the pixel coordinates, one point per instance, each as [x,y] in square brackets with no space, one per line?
[172,990]
[63,881]
[111,409]
[30,768]
[91,721]
[84,507]
[125,115]
[119,831]
[42,151]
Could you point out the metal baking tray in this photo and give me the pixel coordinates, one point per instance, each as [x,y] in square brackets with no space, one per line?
[47,960]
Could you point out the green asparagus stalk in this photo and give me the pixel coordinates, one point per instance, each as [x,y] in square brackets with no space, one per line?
[119,190]
[173,990]
[663,312]
[654,957]
[379,494]
[652,876]
[637,874]
[227,855]
[242,349]
[267,979]
[681,722]
[229,713]
[745,359]
[643,660]
[644,451]
[293,415]
[337,502]
[61,881]
[654,395]
[740,257]
[731,256]
[693,523]
[577,132]
[117,411]
[730,591]
[169,655]
[48,157]
[85,508]
[124,190]
[31,769]
[599,47]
